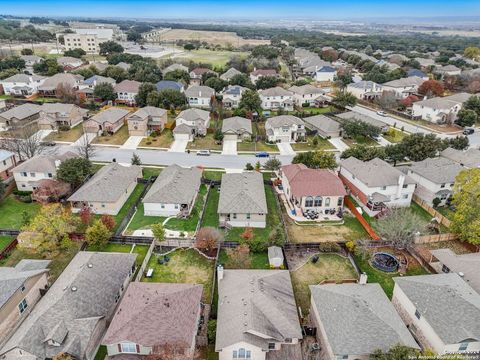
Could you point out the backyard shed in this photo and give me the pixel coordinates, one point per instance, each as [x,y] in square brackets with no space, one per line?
[275,256]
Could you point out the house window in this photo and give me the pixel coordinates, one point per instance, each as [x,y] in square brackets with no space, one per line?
[463,347]
[327,201]
[176,206]
[405,196]
[340,201]
[309,201]
[248,216]
[24,174]
[162,206]
[442,186]
[445,269]
[32,174]
[22,289]
[235,354]
[234,216]
[405,186]
[241,353]
[318,201]
[417,314]
[271,346]
[129,348]
[22,306]
[384,188]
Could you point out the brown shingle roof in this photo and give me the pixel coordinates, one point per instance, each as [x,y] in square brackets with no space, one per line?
[264,72]
[129,86]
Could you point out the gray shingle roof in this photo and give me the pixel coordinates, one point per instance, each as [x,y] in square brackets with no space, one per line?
[275,91]
[437,170]
[43,163]
[128,86]
[449,305]
[374,173]
[403,82]
[242,194]
[108,184]
[23,78]
[5,154]
[352,115]
[359,319]
[469,158]
[174,67]
[175,185]
[259,301]
[444,103]
[365,85]
[194,115]
[283,120]
[237,125]
[306,89]
[81,297]
[110,115]
[21,112]
[149,111]
[63,78]
[227,75]
[321,122]
[199,91]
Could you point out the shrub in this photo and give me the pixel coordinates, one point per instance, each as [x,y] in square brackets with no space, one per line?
[212,330]
[148,143]
[63,127]
[436,202]
[21,193]
[327,247]
[350,245]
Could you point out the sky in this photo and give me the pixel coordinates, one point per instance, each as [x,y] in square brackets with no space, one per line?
[254,9]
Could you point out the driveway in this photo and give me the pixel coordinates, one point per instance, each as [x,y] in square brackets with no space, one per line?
[229,147]
[285,148]
[384,142]
[85,137]
[178,146]
[41,134]
[338,143]
[132,143]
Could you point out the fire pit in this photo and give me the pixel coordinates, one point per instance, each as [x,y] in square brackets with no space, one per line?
[385,262]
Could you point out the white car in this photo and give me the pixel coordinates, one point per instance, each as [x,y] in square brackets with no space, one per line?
[381,113]
[203,153]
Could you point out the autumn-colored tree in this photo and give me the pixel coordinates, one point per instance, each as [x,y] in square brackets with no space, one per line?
[158,232]
[108,221]
[239,257]
[409,100]
[431,88]
[63,356]
[168,352]
[97,234]
[247,234]
[474,86]
[85,215]
[208,238]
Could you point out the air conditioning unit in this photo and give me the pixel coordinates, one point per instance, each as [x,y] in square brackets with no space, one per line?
[315,347]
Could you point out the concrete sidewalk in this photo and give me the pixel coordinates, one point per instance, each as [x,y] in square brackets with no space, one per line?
[339,144]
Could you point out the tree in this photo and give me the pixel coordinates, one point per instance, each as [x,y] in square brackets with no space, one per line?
[25,142]
[400,226]
[143,91]
[248,167]
[267,82]
[357,128]
[167,98]
[27,51]
[241,80]
[409,100]
[418,147]
[344,99]
[85,215]
[115,72]
[272,164]
[239,257]
[158,232]
[108,221]
[316,159]
[136,159]
[178,75]
[145,71]
[250,101]
[394,153]
[104,91]
[431,88]
[76,53]
[63,356]
[208,238]
[473,103]
[397,352]
[472,52]
[276,237]
[466,195]
[134,36]
[216,83]
[97,234]
[189,47]
[458,143]
[47,67]
[84,148]
[387,100]
[110,47]
[342,79]
[363,152]
[258,166]
[74,171]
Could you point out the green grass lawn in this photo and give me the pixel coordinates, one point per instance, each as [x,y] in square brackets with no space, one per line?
[165,140]
[5,241]
[148,172]
[210,218]
[360,140]
[323,144]
[11,212]
[328,267]
[206,142]
[118,138]
[316,111]
[446,211]
[144,222]
[256,146]
[394,135]
[71,135]
[213,175]
[425,216]
[185,266]
[101,353]
[141,250]
[216,58]
[257,260]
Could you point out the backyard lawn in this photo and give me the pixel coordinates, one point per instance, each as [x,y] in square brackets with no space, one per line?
[101,353]
[5,241]
[213,175]
[12,210]
[71,135]
[206,142]
[148,172]
[328,267]
[257,260]
[141,250]
[165,140]
[118,138]
[394,135]
[185,266]
[210,218]
[206,56]
[316,111]
[323,144]
[360,140]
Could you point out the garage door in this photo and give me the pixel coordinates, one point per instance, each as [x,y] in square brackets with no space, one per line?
[230,137]
[182,136]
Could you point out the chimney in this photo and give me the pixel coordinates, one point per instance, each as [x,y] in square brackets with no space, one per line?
[219,273]
[57,163]
[363,279]
[200,94]
[401,181]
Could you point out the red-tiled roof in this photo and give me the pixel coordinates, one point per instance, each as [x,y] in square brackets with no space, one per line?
[304,181]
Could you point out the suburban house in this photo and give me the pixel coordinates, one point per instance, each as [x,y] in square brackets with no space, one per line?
[73,315]
[403,87]
[365,90]
[123,65]
[86,89]
[447,70]
[242,201]
[312,189]
[29,173]
[465,265]
[257,315]
[31,60]
[229,74]
[469,159]
[22,288]
[354,320]
[439,110]
[325,74]
[22,84]
[196,75]
[69,63]
[126,92]
[324,126]
[19,116]
[376,183]
[57,115]
[417,73]
[145,120]
[70,82]
[285,128]
[7,163]
[174,192]
[352,115]
[442,311]
[232,95]
[170,85]
[435,178]
[174,67]
[425,62]
[258,73]
[276,98]
[190,123]
[306,94]
[199,96]
[237,128]
[155,318]
[107,190]
[110,120]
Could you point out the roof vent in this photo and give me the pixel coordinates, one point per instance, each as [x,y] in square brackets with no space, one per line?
[74,288]
[90,266]
[461,274]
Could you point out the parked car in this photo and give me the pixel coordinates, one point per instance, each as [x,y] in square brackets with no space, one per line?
[203,153]
[262,154]
[48,143]
[381,113]
[468,131]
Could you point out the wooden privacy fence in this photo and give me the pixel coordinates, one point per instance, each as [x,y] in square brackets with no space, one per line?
[361,219]
[8,249]
[425,239]
[425,206]
[143,267]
